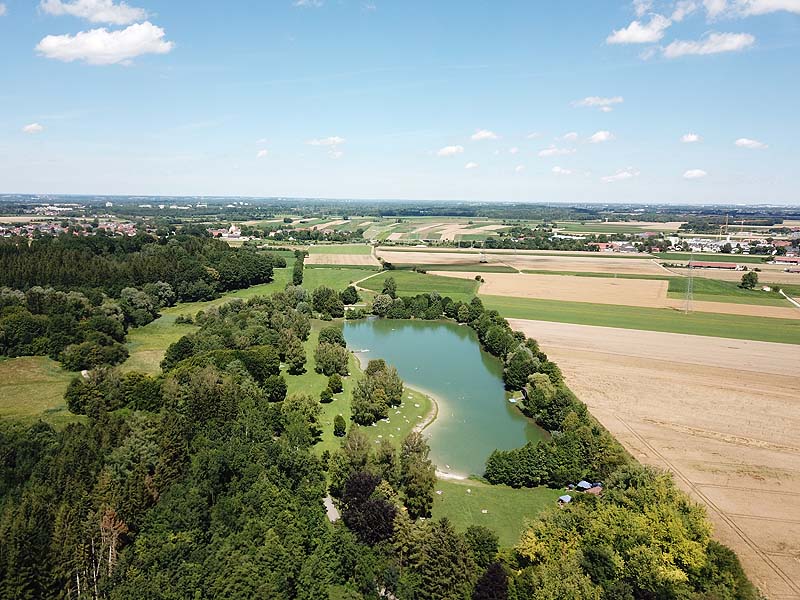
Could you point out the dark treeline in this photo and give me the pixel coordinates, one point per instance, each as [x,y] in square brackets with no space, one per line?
[195,265]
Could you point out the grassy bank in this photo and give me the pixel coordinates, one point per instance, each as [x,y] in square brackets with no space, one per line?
[410,283]
[32,387]
[507,509]
[785,331]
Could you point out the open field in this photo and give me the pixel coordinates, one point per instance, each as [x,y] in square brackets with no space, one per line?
[493,251]
[710,257]
[32,387]
[507,508]
[768,274]
[722,415]
[410,283]
[739,327]
[341,249]
[527,261]
[624,291]
[363,260]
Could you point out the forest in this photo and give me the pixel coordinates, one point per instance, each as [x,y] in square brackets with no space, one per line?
[203,482]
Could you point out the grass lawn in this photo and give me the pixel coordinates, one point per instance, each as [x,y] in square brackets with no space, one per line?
[410,283]
[709,257]
[714,290]
[507,508]
[337,278]
[650,319]
[365,249]
[402,419]
[32,387]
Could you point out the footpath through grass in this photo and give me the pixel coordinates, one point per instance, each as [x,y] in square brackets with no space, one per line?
[507,509]
[741,327]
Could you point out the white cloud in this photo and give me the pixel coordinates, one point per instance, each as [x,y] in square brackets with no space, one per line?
[714,8]
[553,151]
[641,7]
[33,128]
[683,9]
[714,43]
[483,134]
[691,138]
[261,141]
[533,135]
[471,165]
[604,104]
[519,168]
[335,154]
[641,33]
[103,47]
[328,141]
[262,154]
[694,174]
[308,3]
[513,150]
[96,11]
[621,175]
[763,7]
[450,151]
[750,144]
[561,171]
[3,9]
[600,137]
[570,137]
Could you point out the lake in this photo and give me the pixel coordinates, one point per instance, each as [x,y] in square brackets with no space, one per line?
[445,360]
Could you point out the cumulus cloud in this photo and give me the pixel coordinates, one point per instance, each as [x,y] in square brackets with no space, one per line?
[483,134]
[335,154]
[621,175]
[96,11]
[262,154]
[750,144]
[3,9]
[328,141]
[554,151]
[714,8]
[683,9]
[533,135]
[763,7]
[103,47]
[600,137]
[691,138]
[471,165]
[641,7]
[519,168]
[450,151]
[641,33]
[33,128]
[561,171]
[570,137]
[714,43]
[604,104]
[694,174]
[513,150]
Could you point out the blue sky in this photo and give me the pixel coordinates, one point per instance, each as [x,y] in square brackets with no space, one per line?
[574,101]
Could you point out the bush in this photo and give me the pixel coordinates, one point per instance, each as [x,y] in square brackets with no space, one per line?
[330,359]
[326,396]
[339,426]
[335,383]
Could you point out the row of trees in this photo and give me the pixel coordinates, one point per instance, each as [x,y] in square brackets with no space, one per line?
[196,266]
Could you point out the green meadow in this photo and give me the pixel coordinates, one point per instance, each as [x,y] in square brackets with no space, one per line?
[411,283]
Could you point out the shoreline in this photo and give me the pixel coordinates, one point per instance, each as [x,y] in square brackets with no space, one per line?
[427,421]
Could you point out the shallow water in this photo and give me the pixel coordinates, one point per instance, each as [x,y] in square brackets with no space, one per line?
[445,360]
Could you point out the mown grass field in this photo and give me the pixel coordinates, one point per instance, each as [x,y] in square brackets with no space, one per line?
[707,257]
[741,327]
[363,249]
[410,283]
[32,387]
[507,508]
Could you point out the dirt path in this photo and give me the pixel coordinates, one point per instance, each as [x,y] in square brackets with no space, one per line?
[723,415]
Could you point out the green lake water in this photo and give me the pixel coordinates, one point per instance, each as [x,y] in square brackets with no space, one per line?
[445,360]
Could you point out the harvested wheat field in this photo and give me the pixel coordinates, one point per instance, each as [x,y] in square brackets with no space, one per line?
[723,415]
[329,224]
[359,260]
[647,293]
[602,290]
